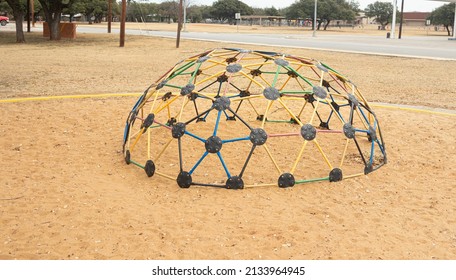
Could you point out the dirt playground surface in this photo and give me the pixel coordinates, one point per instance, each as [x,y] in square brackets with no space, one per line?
[66,192]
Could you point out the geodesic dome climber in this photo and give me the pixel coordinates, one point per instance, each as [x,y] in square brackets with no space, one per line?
[236,118]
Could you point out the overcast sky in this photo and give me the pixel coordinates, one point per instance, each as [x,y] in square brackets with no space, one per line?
[409,5]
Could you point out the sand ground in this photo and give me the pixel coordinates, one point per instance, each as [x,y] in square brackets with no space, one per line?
[66,192]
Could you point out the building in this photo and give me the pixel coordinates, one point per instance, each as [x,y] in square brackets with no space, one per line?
[415,18]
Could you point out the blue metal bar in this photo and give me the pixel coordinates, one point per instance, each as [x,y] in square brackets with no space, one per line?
[329,118]
[381,147]
[361,130]
[224,165]
[217,123]
[371,160]
[198,163]
[127,128]
[235,140]
[196,137]
[364,116]
[206,115]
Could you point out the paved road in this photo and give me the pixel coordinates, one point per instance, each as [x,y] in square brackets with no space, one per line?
[435,47]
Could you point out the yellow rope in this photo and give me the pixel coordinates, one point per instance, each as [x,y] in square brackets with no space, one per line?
[109,95]
[427,111]
[46,98]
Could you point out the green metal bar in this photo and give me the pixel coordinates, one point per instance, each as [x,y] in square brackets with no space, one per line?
[276,76]
[195,72]
[137,164]
[182,69]
[173,86]
[312,180]
[267,72]
[296,92]
[299,75]
[330,68]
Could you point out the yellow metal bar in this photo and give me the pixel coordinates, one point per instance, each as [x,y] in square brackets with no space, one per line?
[167,104]
[163,150]
[260,185]
[285,83]
[272,158]
[210,77]
[295,165]
[153,104]
[323,154]
[344,153]
[148,143]
[290,112]
[249,66]
[253,107]
[266,113]
[250,78]
[314,113]
[137,139]
[266,82]
[164,175]
[353,175]
[184,102]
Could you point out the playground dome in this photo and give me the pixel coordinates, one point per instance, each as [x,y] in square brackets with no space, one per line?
[236,118]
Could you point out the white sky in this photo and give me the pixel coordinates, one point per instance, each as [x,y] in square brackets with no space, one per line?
[409,5]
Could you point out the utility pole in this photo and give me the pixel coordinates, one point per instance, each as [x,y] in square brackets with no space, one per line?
[28,14]
[109,15]
[402,19]
[393,24]
[185,15]
[122,23]
[179,24]
[33,12]
[315,20]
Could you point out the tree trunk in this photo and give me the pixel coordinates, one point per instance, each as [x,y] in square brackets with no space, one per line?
[448,29]
[19,16]
[89,16]
[54,28]
[326,25]
[53,11]
[18,13]
[319,25]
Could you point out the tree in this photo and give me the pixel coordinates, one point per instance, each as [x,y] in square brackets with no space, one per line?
[299,10]
[271,11]
[53,12]
[169,10]
[328,10]
[383,12]
[226,9]
[19,10]
[443,15]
